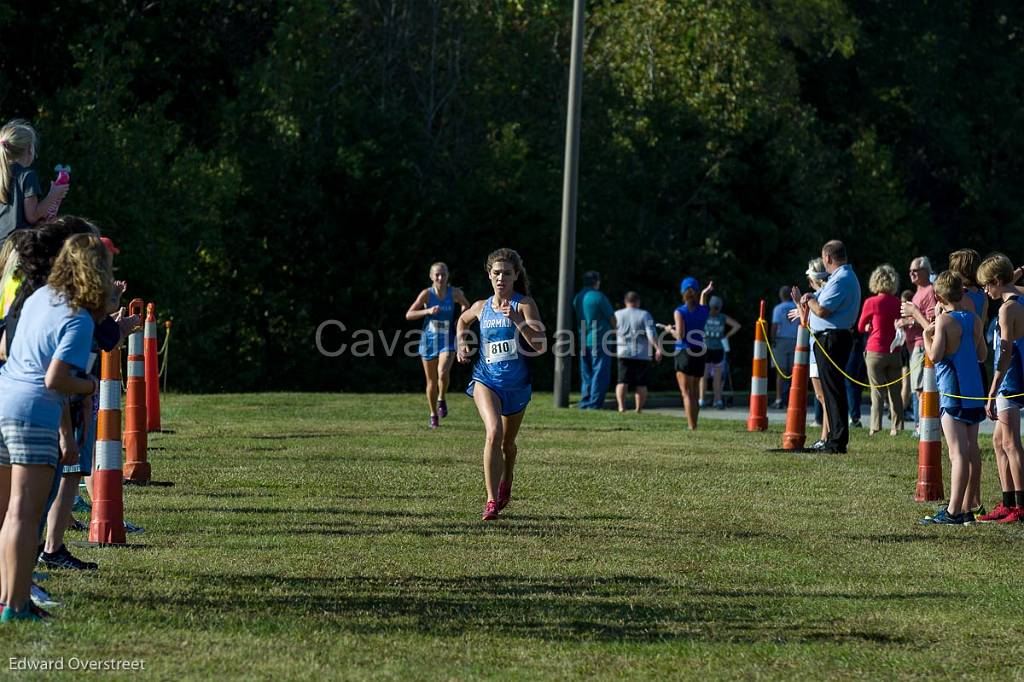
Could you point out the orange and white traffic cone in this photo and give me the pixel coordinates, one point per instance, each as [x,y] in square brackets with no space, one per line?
[107,524]
[795,434]
[929,449]
[152,372]
[136,468]
[758,420]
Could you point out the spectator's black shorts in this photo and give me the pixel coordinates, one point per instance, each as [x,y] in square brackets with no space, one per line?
[633,373]
[689,365]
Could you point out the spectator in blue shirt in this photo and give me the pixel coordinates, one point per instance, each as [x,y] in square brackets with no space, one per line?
[597,320]
[833,312]
[783,340]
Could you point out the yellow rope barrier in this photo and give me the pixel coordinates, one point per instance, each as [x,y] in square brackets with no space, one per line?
[163,365]
[871,386]
[790,376]
[775,362]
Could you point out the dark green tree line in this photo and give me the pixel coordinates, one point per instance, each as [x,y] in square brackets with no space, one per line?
[269,165]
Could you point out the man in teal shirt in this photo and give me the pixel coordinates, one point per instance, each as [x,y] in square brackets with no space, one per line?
[597,320]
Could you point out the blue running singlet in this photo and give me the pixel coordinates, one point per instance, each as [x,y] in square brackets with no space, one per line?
[501,366]
[1013,380]
[960,375]
[693,338]
[978,298]
[438,330]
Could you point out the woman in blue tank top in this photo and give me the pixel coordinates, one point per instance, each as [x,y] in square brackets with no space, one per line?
[690,348]
[996,275]
[510,332]
[956,344]
[436,307]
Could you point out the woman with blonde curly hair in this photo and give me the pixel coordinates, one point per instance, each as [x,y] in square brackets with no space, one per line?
[47,362]
[877,320]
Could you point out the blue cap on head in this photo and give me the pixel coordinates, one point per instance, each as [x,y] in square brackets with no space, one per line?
[689,283]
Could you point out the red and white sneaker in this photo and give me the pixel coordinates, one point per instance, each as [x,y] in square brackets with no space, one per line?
[504,494]
[1000,512]
[1016,515]
[490,511]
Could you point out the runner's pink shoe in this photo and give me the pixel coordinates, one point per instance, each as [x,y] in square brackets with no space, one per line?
[442,408]
[490,511]
[504,494]
[434,423]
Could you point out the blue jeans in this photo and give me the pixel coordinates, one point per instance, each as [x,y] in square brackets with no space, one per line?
[856,368]
[596,375]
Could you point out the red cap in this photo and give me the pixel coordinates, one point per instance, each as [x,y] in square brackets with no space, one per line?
[110,245]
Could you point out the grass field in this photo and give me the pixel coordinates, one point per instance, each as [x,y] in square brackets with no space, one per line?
[333,536]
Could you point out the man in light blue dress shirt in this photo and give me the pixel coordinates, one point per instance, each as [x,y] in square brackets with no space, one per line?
[833,312]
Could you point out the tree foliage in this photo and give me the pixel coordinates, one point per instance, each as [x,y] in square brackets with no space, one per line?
[269,165]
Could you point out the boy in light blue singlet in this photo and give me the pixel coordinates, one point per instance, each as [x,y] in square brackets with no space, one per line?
[996,276]
[510,331]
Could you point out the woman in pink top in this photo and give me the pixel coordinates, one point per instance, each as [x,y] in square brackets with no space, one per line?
[877,320]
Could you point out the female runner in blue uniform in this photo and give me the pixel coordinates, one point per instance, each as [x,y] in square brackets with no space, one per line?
[436,307]
[510,331]
[690,347]
[956,344]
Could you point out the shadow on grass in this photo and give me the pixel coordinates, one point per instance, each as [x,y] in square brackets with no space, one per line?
[511,527]
[301,436]
[623,608]
[899,538]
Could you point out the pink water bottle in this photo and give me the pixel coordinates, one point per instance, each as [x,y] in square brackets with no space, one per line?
[63,178]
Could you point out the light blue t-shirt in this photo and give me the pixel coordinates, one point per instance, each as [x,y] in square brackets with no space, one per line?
[787,327]
[47,330]
[841,296]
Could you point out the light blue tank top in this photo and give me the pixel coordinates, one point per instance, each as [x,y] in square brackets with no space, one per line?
[501,364]
[959,374]
[439,330]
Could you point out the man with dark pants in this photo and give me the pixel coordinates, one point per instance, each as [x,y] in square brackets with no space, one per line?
[833,312]
[597,320]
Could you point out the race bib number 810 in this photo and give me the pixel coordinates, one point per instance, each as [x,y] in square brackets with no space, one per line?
[502,351]
[439,327]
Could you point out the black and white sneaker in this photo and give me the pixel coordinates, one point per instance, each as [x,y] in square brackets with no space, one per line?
[62,558]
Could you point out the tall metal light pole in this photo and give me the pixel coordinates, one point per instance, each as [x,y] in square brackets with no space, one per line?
[567,257]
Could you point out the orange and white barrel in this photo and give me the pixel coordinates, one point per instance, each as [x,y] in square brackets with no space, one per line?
[136,468]
[795,434]
[106,526]
[152,371]
[929,448]
[758,419]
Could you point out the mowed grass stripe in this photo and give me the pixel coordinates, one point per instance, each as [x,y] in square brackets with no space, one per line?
[335,536]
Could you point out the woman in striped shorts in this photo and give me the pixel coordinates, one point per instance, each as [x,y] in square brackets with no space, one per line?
[47,358]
